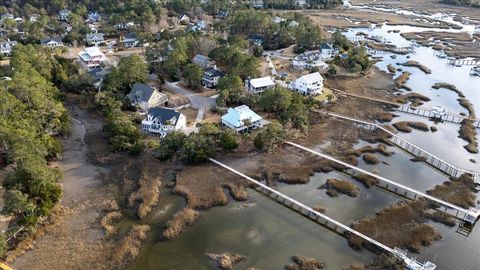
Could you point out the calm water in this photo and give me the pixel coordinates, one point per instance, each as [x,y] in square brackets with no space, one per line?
[268,233]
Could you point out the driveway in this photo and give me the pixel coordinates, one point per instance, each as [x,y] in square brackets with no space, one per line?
[197,101]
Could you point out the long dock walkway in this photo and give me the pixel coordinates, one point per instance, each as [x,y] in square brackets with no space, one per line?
[422,112]
[468,215]
[429,158]
[325,220]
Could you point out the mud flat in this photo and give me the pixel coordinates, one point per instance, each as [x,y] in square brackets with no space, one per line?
[226,260]
[450,87]
[302,263]
[402,79]
[400,225]
[415,98]
[406,126]
[416,64]
[459,191]
[335,186]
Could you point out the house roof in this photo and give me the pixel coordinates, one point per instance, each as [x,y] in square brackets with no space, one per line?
[48,40]
[97,36]
[142,90]
[262,82]
[164,114]
[200,58]
[237,116]
[312,78]
[93,51]
[326,46]
[212,72]
[131,35]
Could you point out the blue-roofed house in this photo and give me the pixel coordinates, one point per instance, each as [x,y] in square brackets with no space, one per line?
[161,121]
[130,40]
[95,39]
[242,119]
[51,42]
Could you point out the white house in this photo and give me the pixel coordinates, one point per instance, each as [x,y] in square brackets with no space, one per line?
[64,14]
[130,40]
[259,85]
[309,85]
[328,51]
[6,47]
[161,121]
[301,3]
[51,42]
[308,60]
[242,119]
[95,39]
[93,16]
[145,97]
[34,17]
[92,57]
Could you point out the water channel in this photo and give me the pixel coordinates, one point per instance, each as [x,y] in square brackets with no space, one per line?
[268,233]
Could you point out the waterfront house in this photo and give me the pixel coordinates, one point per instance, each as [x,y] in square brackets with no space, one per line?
[308,60]
[52,42]
[309,85]
[6,47]
[258,85]
[161,121]
[328,51]
[201,61]
[145,97]
[95,39]
[64,14]
[211,76]
[242,119]
[92,57]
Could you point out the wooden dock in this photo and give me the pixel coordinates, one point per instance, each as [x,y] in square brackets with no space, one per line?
[463,62]
[429,158]
[325,220]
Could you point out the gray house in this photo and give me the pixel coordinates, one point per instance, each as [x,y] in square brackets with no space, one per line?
[95,39]
[145,97]
[201,61]
[51,42]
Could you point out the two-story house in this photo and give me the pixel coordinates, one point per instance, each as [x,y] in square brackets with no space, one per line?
[130,40]
[161,121]
[145,97]
[308,60]
[309,85]
[258,85]
[242,119]
[95,39]
[211,76]
[92,57]
[64,15]
[328,51]
[52,42]
[6,47]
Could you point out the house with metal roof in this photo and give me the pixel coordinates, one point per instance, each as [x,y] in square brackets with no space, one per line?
[161,121]
[95,39]
[258,85]
[51,42]
[309,85]
[242,119]
[211,76]
[328,51]
[145,97]
[201,61]
[308,60]
[130,40]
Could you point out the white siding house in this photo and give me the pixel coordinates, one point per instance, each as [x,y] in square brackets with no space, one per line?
[242,119]
[309,85]
[6,47]
[92,57]
[51,42]
[161,121]
[258,85]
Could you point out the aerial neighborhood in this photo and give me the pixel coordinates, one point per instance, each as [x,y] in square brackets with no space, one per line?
[123,122]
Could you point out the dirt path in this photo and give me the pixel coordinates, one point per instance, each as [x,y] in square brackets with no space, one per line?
[75,240]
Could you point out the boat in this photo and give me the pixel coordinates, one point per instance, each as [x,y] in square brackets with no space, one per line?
[393,56]
[475,71]
[442,55]
[458,65]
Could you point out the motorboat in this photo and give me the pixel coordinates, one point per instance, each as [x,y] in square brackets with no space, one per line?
[475,71]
